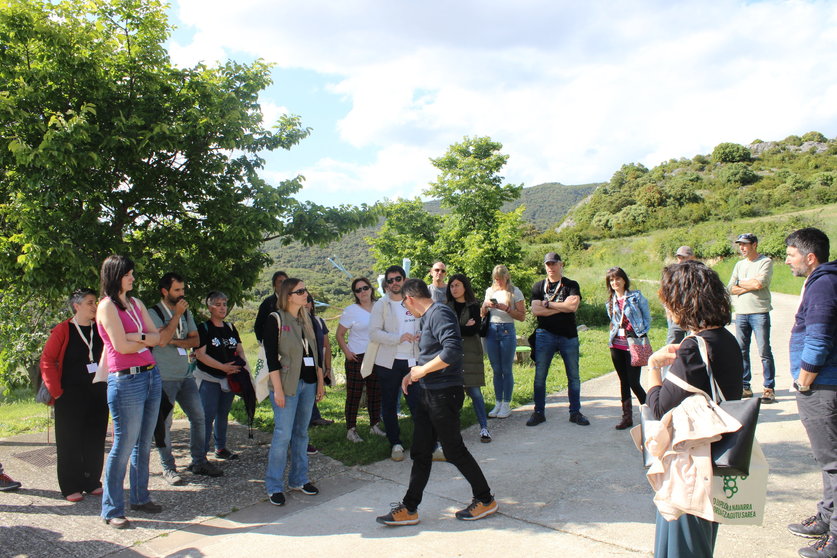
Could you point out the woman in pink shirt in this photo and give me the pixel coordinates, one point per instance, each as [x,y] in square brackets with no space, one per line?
[133,389]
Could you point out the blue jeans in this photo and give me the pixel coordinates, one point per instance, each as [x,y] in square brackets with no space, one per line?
[475,394]
[546,345]
[390,382]
[500,344]
[134,402]
[688,535]
[185,392]
[216,411]
[758,324]
[290,429]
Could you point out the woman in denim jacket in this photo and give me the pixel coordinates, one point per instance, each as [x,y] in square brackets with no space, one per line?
[629,317]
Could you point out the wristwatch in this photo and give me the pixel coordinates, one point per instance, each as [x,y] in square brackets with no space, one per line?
[143,337]
[802,388]
[546,304]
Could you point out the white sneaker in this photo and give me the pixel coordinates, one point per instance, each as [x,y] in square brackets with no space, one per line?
[493,412]
[353,436]
[504,411]
[397,453]
[376,430]
[485,436]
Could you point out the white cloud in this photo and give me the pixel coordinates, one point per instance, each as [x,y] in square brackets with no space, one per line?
[572,90]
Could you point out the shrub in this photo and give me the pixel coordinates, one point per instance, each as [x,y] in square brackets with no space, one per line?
[739,174]
[814,136]
[730,153]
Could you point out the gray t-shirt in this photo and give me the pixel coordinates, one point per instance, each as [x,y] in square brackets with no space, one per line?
[438,294]
[753,302]
[172,361]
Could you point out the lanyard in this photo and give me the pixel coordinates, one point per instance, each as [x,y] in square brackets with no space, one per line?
[178,333]
[554,295]
[86,342]
[131,311]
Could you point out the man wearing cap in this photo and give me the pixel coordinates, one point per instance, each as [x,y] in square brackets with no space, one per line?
[554,303]
[676,334]
[750,290]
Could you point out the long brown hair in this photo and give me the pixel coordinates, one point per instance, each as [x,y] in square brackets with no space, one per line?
[283,299]
[114,268]
[611,273]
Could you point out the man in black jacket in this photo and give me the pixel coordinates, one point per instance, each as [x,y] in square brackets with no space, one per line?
[439,373]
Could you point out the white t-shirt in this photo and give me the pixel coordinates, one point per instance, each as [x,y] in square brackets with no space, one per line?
[409,324]
[503,297]
[356,320]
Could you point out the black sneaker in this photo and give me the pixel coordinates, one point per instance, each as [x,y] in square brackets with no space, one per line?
[226,454]
[826,547]
[206,468]
[811,527]
[277,499]
[307,488]
[579,419]
[312,450]
[148,507]
[536,418]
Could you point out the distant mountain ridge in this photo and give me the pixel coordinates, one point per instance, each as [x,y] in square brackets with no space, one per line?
[546,205]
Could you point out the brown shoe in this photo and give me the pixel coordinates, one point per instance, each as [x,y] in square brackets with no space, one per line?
[627,415]
[117,522]
[769,396]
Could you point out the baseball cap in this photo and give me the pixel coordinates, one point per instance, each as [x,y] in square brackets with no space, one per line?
[749,238]
[551,257]
[685,252]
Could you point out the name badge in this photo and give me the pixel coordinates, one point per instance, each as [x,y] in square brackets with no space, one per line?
[411,362]
[181,351]
[92,367]
[621,332]
[308,361]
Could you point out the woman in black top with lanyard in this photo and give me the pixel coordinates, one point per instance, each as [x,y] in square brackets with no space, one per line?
[68,364]
[296,382]
[697,300]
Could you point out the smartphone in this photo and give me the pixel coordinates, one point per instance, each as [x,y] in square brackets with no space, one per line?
[494,300]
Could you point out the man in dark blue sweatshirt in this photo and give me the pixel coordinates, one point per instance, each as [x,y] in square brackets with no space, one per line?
[813,361]
[439,373]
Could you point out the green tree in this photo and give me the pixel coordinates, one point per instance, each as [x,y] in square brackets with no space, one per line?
[475,234]
[107,147]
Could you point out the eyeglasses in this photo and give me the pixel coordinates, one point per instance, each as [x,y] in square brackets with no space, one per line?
[440,270]
[301,291]
[396,279]
[363,288]
[403,300]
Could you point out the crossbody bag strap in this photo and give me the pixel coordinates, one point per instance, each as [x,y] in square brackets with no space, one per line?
[278,333]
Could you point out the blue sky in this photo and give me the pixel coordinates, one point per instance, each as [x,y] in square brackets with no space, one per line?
[572,90]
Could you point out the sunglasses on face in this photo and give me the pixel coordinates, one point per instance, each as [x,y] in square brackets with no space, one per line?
[440,270]
[301,291]
[361,289]
[396,279]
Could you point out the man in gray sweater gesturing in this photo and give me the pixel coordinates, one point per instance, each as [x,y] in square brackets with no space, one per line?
[439,374]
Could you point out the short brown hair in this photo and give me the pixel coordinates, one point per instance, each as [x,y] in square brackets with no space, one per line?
[695,296]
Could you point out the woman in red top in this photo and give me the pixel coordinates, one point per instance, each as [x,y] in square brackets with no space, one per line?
[68,363]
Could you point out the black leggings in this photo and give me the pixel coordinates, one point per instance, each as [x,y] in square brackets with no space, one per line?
[628,375]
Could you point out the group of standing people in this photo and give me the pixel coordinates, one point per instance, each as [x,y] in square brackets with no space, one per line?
[115,357]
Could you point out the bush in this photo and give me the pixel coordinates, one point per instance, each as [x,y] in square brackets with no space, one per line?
[739,174]
[730,153]
[814,136]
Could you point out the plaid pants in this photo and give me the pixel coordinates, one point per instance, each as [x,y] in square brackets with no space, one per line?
[354,391]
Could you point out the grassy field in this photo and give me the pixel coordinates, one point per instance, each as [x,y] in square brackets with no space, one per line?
[21,414]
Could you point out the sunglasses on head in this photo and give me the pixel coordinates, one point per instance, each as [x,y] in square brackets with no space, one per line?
[396,279]
[301,291]
[363,288]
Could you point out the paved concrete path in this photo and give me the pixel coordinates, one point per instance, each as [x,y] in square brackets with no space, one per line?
[563,489]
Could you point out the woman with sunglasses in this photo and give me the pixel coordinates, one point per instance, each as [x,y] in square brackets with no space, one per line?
[296,382]
[355,322]
[220,354]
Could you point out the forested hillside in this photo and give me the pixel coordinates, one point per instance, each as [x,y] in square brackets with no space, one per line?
[546,204]
[735,181]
